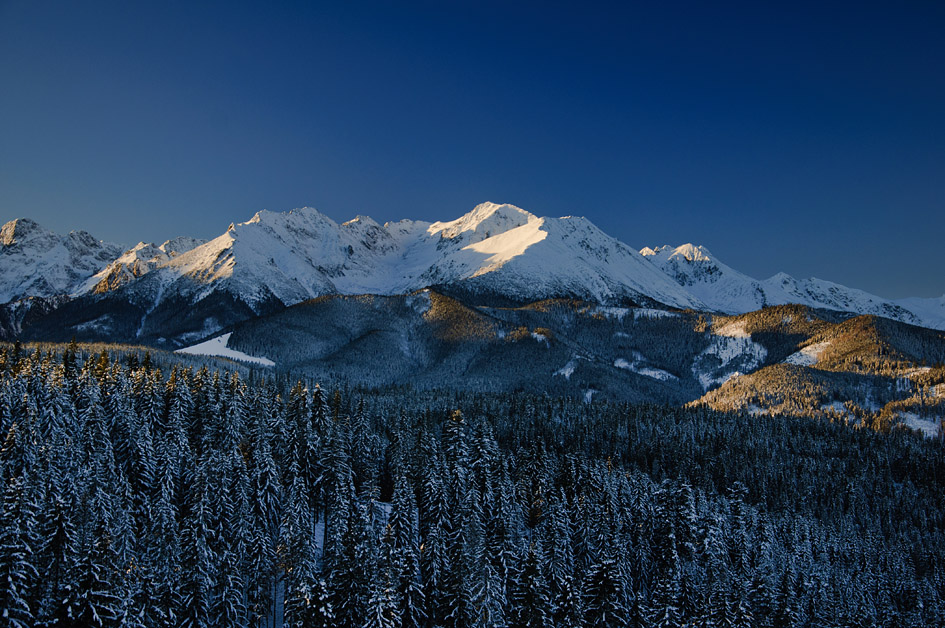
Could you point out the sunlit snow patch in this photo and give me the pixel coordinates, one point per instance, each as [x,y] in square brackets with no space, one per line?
[217,347]
[807,356]
[735,329]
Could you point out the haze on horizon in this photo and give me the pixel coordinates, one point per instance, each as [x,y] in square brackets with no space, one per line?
[792,137]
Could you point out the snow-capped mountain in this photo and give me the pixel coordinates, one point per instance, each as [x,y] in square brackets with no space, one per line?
[930,311]
[35,262]
[495,249]
[186,289]
[724,289]
[135,262]
[719,286]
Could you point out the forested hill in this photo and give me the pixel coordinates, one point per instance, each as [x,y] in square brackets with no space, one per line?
[791,360]
[143,496]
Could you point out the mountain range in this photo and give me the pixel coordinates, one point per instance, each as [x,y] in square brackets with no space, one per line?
[186,289]
[497,300]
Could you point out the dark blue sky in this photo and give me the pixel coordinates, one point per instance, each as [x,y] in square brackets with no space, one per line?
[808,138]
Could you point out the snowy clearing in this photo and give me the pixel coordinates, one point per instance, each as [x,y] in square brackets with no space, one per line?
[735,329]
[619,313]
[929,428]
[567,370]
[729,355]
[217,347]
[640,368]
[807,356]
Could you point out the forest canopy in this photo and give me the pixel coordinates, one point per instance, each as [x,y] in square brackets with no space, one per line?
[139,490]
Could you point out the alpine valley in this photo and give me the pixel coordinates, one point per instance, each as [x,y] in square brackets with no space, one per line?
[496,300]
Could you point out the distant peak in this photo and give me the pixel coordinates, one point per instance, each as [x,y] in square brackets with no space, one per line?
[308,212]
[181,244]
[692,253]
[487,209]
[688,252]
[305,217]
[359,220]
[18,229]
[485,220]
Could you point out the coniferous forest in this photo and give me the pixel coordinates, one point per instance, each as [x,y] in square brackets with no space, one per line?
[141,491]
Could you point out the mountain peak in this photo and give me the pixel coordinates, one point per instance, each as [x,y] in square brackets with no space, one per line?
[361,221]
[40,263]
[484,221]
[300,214]
[495,250]
[692,253]
[19,229]
[688,252]
[181,244]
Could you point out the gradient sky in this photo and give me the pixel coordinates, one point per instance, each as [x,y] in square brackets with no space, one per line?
[805,138]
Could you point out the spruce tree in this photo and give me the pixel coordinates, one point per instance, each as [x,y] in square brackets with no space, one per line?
[18,576]
[197,565]
[605,602]
[531,596]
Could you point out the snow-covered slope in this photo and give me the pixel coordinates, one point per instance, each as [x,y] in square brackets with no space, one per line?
[719,286]
[726,290]
[930,311]
[494,249]
[218,347]
[39,263]
[188,289]
[535,258]
[135,262]
[783,288]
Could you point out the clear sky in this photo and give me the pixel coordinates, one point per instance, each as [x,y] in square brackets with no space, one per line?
[796,137]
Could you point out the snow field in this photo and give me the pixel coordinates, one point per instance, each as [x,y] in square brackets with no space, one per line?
[217,347]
